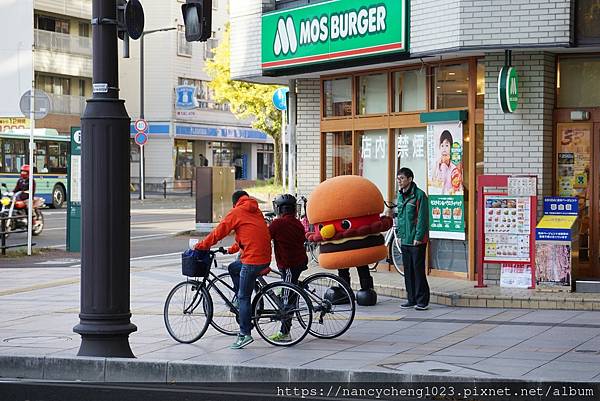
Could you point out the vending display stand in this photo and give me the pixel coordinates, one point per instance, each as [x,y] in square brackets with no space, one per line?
[506,215]
[557,244]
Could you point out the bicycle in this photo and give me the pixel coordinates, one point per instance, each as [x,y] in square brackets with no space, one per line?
[331,299]
[393,244]
[186,321]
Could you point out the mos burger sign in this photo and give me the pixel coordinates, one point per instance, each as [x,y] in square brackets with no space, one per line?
[333,30]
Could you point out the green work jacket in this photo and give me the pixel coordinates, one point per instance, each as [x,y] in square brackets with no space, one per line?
[413,216]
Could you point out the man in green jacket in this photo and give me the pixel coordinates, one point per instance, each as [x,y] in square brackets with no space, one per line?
[413,230]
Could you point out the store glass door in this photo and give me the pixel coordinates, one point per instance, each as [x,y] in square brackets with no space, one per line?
[577,157]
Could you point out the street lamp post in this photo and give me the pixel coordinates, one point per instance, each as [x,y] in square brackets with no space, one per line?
[142,161]
[104,319]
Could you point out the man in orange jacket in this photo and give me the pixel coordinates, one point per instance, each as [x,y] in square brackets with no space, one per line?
[253,239]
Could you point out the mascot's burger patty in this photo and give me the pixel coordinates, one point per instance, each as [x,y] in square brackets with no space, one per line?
[345,211]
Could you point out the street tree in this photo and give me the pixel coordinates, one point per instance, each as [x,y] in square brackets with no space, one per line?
[247,100]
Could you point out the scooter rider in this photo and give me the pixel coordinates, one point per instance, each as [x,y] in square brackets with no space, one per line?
[23,184]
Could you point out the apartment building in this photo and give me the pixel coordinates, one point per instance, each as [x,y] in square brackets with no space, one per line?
[56,36]
[187,128]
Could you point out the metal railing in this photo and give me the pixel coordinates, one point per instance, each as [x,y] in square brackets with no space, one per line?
[67,104]
[62,42]
[4,233]
[165,189]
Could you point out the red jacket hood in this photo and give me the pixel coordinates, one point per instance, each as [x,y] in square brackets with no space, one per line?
[247,203]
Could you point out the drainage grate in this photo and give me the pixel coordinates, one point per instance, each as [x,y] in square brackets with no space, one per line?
[587,351]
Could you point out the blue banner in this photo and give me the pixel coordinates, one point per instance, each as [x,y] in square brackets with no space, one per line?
[561,206]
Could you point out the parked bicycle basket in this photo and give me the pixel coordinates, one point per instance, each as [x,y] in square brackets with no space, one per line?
[195,263]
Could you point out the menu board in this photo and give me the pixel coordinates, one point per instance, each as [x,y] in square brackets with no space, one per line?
[507,228]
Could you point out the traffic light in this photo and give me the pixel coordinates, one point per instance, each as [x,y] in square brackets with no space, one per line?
[197,16]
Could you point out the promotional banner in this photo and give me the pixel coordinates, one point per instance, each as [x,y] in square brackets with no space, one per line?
[445,181]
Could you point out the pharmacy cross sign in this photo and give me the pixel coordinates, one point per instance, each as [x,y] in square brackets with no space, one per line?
[508,89]
[333,30]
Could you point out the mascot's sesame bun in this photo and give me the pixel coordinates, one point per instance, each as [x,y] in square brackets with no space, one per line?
[342,197]
[345,212]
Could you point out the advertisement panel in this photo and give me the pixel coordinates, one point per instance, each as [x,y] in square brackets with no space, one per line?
[445,180]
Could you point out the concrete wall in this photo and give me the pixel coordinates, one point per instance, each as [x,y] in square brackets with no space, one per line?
[308,135]
[434,25]
[516,22]
[246,38]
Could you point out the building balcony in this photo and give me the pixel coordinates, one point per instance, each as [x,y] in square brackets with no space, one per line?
[74,8]
[63,43]
[67,104]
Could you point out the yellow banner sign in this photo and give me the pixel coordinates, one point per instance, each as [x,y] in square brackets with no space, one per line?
[11,123]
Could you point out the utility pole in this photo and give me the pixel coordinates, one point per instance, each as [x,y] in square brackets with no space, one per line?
[142,116]
[104,319]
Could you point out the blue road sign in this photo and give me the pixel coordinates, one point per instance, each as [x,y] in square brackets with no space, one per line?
[279,98]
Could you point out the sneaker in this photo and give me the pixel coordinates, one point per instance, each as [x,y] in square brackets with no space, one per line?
[236,304]
[407,305]
[421,307]
[281,337]
[241,342]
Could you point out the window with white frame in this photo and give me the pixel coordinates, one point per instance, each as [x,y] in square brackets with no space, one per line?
[204,95]
[184,48]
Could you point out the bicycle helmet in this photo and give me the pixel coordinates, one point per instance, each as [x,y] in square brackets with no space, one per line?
[284,204]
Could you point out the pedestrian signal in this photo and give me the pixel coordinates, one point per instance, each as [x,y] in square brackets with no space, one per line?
[197,17]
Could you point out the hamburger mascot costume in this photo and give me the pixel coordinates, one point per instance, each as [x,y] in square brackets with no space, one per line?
[346,214]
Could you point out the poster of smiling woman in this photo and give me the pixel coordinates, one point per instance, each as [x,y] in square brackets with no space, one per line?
[445,180]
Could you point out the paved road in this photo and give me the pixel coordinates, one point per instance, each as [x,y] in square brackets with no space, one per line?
[153,225]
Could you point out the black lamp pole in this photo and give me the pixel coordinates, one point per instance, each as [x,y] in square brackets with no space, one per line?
[104,320]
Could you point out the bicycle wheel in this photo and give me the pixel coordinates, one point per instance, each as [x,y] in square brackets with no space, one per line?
[225,315]
[313,253]
[396,255]
[333,304]
[282,314]
[188,311]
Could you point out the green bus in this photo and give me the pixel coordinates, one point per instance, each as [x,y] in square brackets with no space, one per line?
[50,157]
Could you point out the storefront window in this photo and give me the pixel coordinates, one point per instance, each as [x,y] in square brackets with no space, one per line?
[338,154]
[587,23]
[579,82]
[573,165]
[410,91]
[184,160]
[411,148]
[373,158]
[338,97]
[450,86]
[480,84]
[479,151]
[372,94]
[265,166]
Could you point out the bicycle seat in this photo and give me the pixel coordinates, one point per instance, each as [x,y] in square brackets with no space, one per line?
[264,271]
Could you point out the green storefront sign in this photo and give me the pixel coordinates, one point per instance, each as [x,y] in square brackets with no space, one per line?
[508,89]
[446,214]
[74,193]
[333,30]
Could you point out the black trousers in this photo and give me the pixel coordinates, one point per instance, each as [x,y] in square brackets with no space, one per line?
[364,275]
[417,289]
[289,298]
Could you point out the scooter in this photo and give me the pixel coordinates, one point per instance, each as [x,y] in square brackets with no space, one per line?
[12,207]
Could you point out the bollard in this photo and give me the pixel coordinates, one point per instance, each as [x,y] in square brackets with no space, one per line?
[165,188]
[3,234]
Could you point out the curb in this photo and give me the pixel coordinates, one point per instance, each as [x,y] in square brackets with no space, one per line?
[91,369]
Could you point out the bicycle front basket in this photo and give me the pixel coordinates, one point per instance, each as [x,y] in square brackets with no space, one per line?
[195,263]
